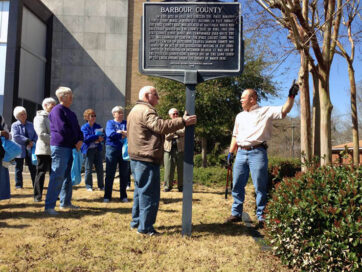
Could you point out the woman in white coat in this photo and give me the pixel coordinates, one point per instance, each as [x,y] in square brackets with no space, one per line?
[42,148]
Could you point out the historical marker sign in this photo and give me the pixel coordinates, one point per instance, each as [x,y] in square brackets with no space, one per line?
[205,37]
[191,42]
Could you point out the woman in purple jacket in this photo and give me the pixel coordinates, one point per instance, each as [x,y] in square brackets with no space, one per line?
[92,149]
[65,134]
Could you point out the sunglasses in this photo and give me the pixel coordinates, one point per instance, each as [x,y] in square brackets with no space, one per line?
[175,113]
[93,115]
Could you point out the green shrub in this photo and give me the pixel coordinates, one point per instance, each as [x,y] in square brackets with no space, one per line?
[210,176]
[279,168]
[314,221]
[212,160]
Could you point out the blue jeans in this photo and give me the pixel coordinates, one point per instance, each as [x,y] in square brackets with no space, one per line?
[256,162]
[114,158]
[93,156]
[60,181]
[146,195]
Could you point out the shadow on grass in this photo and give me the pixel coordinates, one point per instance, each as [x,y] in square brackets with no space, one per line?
[89,211]
[21,195]
[211,193]
[21,205]
[6,225]
[219,229]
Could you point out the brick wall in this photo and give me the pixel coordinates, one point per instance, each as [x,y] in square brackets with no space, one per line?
[134,79]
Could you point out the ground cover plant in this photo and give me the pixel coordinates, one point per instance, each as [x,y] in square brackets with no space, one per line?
[315,220]
[98,237]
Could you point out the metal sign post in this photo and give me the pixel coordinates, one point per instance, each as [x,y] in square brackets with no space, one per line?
[191,42]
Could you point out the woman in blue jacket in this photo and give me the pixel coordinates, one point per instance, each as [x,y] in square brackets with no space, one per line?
[24,135]
[116,131]
[92,149]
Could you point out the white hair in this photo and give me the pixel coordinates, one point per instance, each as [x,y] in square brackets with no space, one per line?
[116,109]
[145,90]
[62,91]
[18,110]
[47,101]
[172,110]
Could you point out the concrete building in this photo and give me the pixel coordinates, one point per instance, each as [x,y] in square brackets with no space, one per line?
[90,46]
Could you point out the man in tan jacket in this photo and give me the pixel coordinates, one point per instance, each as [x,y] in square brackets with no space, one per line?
[146,132]
[173,155]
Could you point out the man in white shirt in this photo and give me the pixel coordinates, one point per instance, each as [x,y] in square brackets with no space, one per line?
[253,127]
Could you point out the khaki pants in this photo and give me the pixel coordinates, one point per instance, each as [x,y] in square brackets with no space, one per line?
[171,160]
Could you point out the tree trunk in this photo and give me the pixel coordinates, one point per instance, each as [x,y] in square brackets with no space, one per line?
[305,128]
[355,137]
[204,151]
[316,119]
[325,114]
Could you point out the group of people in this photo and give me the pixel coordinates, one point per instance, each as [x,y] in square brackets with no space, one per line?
[151,139]
[54,133]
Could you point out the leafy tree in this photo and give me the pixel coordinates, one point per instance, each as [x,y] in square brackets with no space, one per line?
[217,101]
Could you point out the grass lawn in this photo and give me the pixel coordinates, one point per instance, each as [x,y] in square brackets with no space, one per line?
[98,237]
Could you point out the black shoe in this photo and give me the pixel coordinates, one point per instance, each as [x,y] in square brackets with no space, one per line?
[233,219]
[260,224]
[151,233]
[180,189]
[167,189]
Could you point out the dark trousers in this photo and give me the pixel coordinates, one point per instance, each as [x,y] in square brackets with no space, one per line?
[44,163]
[114,158]
[19,171]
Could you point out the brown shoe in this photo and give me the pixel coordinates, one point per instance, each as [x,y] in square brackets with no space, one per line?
[233,218]
[260,225]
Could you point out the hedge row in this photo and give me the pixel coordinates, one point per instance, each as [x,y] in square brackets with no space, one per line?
[314,221]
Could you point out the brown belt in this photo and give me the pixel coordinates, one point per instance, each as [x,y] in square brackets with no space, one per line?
[251,147]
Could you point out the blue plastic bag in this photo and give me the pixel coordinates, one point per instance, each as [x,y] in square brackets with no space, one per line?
[34,159]
[12,150]
[125,155]
[76,167]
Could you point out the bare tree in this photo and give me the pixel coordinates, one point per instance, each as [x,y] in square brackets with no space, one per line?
[352,10]
[322,29]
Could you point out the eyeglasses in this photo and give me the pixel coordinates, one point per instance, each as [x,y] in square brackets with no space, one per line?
[155,94]
[93,115]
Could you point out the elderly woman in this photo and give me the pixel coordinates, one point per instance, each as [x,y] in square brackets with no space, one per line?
[116,131]
[42,149]
[24,135]
[92,149]
[4,172]
[65,134]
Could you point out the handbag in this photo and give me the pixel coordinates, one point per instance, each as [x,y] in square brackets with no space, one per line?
[125,155]
[76,167]
[12,150]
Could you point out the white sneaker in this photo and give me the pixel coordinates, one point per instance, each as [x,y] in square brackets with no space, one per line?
[89,189]
[51,212]
[128,187]
[70,207]
[124,200]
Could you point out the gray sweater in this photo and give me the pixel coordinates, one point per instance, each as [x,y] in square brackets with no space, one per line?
[42,129]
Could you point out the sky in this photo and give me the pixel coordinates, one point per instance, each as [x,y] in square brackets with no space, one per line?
[339,82]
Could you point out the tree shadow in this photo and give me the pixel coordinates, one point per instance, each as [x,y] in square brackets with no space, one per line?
[168,211]
[218,229]
[211,193]
[21,195]
[6,225]
[89,211]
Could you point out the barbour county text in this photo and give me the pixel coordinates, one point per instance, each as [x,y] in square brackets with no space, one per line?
[190,9]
